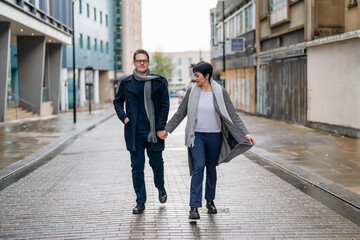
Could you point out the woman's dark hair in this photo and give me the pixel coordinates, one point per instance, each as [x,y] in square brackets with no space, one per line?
[204,68]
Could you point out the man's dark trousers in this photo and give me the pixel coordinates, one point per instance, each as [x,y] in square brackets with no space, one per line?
[138,164]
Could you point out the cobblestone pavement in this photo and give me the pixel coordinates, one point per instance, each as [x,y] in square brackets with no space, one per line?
[86,193]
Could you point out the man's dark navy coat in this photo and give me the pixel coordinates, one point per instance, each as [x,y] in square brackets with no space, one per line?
[128,94]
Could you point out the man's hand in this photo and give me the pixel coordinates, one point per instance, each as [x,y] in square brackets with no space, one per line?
[251,139]
[162,134]
[126,120]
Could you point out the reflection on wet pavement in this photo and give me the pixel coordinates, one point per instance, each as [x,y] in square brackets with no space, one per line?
[21,139]
[329,155]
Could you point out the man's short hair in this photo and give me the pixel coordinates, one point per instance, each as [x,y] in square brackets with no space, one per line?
[204,68]
[141,51]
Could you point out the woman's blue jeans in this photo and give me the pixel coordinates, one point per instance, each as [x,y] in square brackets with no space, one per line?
[205,152]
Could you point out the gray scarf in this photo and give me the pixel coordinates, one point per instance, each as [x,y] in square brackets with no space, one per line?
[149,106]
[193,106]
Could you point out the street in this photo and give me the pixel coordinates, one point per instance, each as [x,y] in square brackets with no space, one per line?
[86,192]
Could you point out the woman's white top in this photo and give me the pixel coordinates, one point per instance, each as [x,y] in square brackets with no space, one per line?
[207,119]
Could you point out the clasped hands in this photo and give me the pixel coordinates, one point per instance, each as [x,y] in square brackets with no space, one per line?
[162,134]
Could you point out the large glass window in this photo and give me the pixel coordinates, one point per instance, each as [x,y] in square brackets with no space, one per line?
[237,24]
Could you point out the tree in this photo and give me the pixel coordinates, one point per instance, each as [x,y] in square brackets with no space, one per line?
[160,65]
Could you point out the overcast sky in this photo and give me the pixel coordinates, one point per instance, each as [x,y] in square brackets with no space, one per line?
[176,25]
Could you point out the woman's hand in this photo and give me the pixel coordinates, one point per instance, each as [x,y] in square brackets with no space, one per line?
[251,139]
[126,120]
[162,134]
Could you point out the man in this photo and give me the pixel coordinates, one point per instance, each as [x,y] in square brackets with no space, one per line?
[147,106]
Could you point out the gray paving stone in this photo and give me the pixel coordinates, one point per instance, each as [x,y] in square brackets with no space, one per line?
[86,193]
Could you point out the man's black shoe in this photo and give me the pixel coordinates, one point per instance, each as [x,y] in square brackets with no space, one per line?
[194,214]
[140,207]
[162,195]
[211,207]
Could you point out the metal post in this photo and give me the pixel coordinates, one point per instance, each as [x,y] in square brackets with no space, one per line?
[89,87]
[74,75]
[223,13]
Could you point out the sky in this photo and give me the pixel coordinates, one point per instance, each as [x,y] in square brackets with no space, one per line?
[176,25]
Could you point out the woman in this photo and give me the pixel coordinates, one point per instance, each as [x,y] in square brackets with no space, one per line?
[214,134]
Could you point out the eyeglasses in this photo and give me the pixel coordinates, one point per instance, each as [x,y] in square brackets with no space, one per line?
[142,61]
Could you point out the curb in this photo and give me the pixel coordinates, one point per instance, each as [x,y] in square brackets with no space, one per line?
[47,150]
[326,185]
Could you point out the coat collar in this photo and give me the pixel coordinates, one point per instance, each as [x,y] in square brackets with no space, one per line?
[155,84]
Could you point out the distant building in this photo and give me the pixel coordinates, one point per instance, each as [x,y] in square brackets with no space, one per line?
[32,34]
[182,62]
[238,66]
[94,48]
[128,37]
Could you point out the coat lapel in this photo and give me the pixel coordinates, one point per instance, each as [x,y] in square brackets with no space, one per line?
[131,86]
[155,85]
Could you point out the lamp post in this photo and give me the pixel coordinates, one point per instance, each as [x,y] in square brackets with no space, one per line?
[74,75]
[223,20]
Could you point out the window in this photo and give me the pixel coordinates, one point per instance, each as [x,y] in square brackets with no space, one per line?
[179,61]
[94,14]
[80,6]
[179,74]
[88,43]
[101,46]
[100,17]
[106,20]
[190,61]
[107,47]
[95,44]
[278,11]
[81,41]
[87,10]
[247,24]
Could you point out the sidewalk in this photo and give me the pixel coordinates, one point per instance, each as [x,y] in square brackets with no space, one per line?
[324,159]
[24,142]
[86,192]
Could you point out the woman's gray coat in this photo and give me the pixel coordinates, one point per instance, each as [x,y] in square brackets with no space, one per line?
[234,141]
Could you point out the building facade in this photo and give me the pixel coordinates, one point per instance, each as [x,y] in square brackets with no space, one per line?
[132,33]
[301,78]
[94,45]
[128,37]
[333,68]
[233,48]
[32,33]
